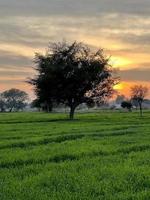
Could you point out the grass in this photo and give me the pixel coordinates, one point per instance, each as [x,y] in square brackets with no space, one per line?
[98,156]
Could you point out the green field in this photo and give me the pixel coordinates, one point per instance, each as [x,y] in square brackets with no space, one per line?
[103,156]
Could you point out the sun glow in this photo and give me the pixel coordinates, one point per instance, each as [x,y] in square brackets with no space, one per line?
[120,62]
[119,86]
[125,87]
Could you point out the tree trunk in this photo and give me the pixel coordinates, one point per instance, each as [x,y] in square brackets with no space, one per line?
[72,110]
[141,112]
[49,108]
[10,110]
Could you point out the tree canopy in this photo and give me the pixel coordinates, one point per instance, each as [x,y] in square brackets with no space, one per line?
[72,74]
[13,99]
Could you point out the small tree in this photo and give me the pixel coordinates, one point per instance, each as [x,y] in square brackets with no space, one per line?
[41,105]
[2,104]
[36,104]
[138,93]
[127,105]
[14,99]
[68,72]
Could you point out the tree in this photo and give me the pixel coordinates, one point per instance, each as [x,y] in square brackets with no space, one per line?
[14,99]
[127,104]
[2,104]
[72,74]
[41,105]
[138,93]
[36,104]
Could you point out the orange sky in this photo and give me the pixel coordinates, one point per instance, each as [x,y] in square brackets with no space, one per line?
[124,87]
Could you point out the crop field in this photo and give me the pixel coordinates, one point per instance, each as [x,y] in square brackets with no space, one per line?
[98,156]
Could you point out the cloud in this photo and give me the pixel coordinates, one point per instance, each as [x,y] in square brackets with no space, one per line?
[71,7]
[138,74]
[8,59]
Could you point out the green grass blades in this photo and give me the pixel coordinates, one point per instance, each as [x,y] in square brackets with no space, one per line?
[98,156]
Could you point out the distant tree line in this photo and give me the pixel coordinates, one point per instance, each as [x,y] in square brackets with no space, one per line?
[72,74]
[13,100]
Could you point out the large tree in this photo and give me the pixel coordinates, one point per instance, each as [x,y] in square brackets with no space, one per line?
[138,93]
[14,99]
[72,74]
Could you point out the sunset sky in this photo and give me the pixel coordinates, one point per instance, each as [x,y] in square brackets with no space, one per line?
[121,27]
